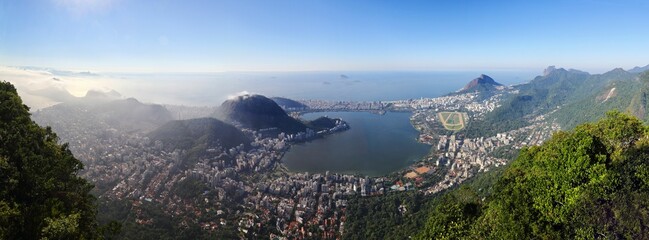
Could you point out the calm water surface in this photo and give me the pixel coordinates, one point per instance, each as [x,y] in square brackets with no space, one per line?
[375,145]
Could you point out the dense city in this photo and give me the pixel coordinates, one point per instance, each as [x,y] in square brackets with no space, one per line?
[249,189]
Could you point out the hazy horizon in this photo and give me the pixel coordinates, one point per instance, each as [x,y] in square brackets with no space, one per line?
[210,89]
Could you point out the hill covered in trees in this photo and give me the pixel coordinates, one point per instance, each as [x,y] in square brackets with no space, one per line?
[257,112]
[210,132]
[41,196]
[592,182]
[483,83]
[569,96]
[627,92]
[289,104]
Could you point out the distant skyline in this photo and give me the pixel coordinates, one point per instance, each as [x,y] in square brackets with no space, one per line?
[292,35]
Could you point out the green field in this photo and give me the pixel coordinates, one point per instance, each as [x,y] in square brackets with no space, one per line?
[453,121]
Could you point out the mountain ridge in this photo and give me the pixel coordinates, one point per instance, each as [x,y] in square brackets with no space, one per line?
[639,69]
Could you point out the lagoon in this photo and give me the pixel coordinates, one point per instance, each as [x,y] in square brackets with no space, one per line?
[375,145]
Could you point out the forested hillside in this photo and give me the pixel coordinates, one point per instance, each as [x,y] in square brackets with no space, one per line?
[41,196]
[592,182]
[626,93]
[569,96]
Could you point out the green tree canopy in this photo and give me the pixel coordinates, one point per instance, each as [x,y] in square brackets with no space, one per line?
[41,196]
[588,183]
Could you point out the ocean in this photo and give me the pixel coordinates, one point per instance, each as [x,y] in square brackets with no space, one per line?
[211,89]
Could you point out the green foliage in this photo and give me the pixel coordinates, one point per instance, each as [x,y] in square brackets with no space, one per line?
[184,134]
[258,112]
[380,218]
[621,93]
[321,123]
[505,152]
[541,95]
[455,214]
[195,136]
[576,96]
[62,227]
[584,184]
[189,188]
[41,195]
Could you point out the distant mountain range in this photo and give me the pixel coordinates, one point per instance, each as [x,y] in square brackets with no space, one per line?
[109,108]
[130,112]
[569,96]
[54,94]
[639,69]
[95,95]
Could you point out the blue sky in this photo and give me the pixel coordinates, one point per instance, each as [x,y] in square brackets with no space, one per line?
[306,35]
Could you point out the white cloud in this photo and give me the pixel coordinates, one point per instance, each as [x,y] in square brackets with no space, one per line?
[239,94]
